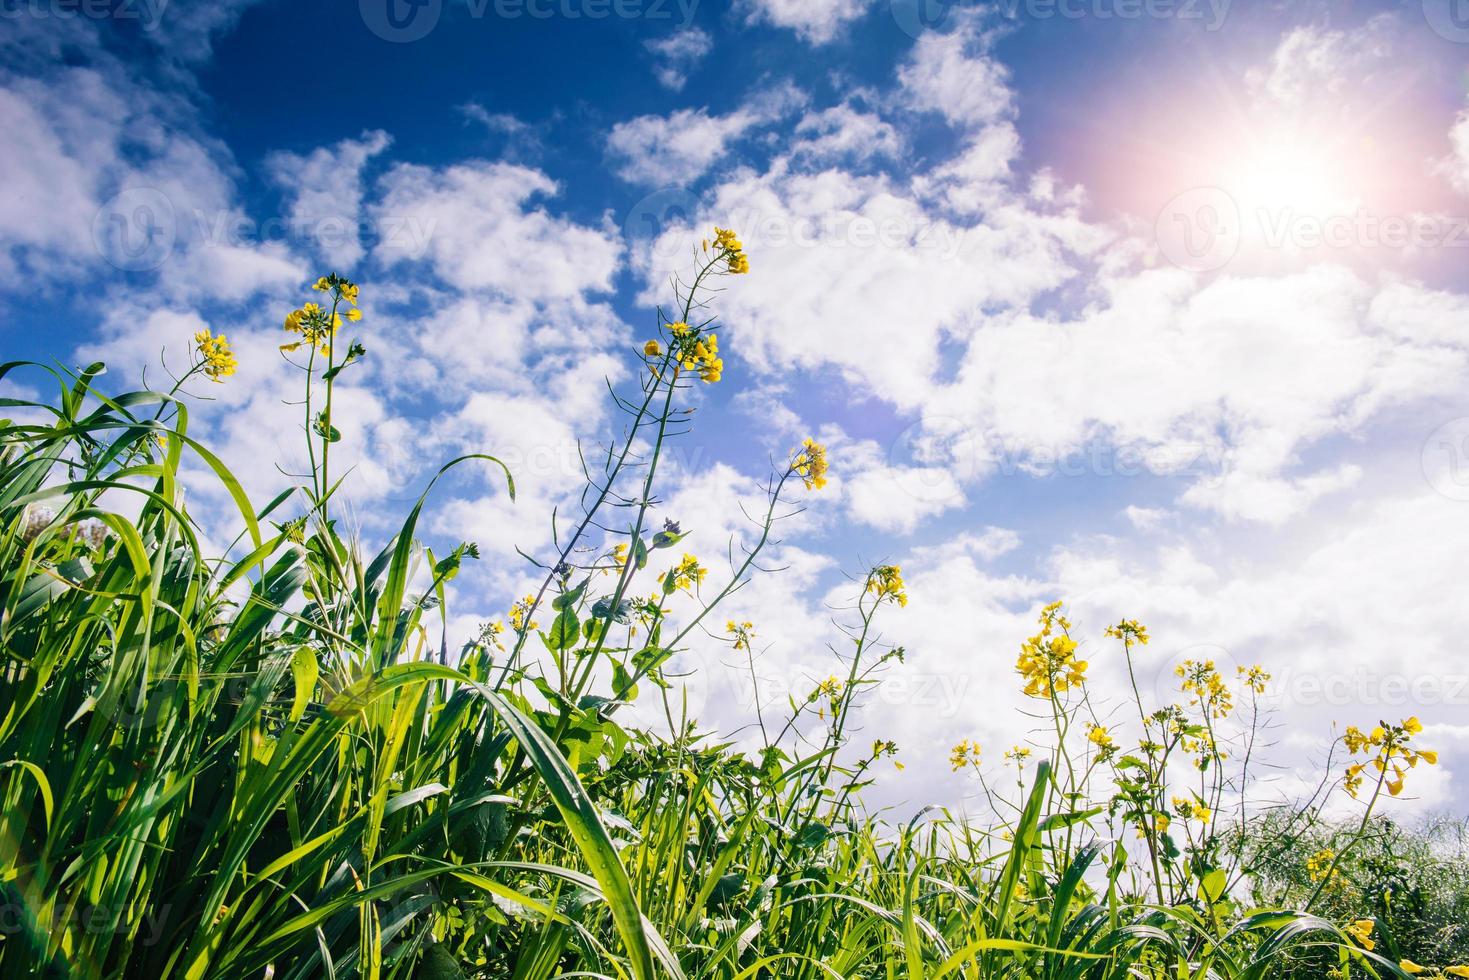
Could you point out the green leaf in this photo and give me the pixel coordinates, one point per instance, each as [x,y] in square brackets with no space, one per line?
[304,672]
[565,631]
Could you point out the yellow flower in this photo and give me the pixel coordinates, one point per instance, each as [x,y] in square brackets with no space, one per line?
[726,242]
[810,464]
[354,314]
[652,348]
[322,284]
[1047,660]
[743,633]
[1201,679]
[964,755]
[520,615]
[831,689]
[1192,810]
[1017,755]
[1255,677]
[1361,931]
[1101,738]
[886,581]
[1129,631]
[349,292]
[1408,966]
[216,359]
[1387,747]
[689,573]
[1457,971]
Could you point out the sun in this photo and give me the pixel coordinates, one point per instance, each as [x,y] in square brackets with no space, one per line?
[1289,176]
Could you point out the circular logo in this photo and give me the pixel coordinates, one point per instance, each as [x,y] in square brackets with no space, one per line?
[401,21]
[650,219]
[932,459]
[1448,18]
[914,17]
[1445,459]
[1199,230]
[135,231]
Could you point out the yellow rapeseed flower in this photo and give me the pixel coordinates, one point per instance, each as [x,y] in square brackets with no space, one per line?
[652,348]
[886,582]
[1361,931]
[726,242]
[810,464]
[216,359]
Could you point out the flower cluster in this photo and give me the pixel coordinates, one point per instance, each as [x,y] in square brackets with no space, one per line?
[1099,736]
[1017,756]
[810,464]
[726,243]
[886,582]
[1192,809]
[965,755]
[743,633]
[216,359]
[317,325]
[831,689]
[1387,747]
[1048,660]
[886,748]
[1129,631]
[1255,678]
[689,573]
[520,620]
[693,350]
[1321,866]
[1201,680]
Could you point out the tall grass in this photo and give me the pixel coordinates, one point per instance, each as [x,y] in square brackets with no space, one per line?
[273,762]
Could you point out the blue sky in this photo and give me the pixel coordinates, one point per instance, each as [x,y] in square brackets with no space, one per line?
[1157,307]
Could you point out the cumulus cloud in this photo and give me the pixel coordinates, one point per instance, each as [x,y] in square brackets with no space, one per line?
[815,21]
[324,190]
[472,224]
[678,148]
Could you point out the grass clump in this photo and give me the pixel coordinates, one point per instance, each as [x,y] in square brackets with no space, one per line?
[274,763]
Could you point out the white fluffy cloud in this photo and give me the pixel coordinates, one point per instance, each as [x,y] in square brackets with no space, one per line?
[815,21]
[678,148]
[473,224]
[676,55]
[324,188]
